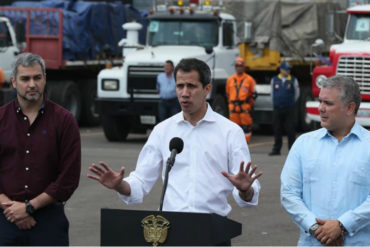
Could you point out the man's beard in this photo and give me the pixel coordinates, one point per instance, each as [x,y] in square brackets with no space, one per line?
[36,97]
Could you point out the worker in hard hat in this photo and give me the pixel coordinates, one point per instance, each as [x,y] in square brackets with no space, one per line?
[240,93]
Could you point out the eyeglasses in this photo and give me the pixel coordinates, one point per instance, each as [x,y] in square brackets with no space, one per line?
[239,65]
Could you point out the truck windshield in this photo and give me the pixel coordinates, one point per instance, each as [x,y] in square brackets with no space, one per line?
[170,32]
[358,27]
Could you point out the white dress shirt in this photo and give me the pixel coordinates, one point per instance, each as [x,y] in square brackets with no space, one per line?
[195,181]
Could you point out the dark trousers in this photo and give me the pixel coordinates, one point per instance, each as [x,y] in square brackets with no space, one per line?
[283,118]
[51,229]
[168,108]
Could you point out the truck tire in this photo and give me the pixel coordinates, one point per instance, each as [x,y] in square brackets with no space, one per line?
[66,94]
[115,128]
[305,124]
[219,105]
[89,114]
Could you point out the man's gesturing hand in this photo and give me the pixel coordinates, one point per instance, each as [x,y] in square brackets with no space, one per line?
[244,179]
[106,176]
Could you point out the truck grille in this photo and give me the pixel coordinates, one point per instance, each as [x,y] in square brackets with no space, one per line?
[143,79]
[358,68]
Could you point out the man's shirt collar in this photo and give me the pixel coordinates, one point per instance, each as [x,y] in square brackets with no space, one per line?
[208,117]
[355,131]
[18,107]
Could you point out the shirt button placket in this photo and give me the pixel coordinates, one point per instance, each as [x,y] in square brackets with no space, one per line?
[27,156]
[193,162]
[334,169]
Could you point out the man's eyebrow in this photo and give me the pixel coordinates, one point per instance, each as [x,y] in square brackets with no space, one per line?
[28,76]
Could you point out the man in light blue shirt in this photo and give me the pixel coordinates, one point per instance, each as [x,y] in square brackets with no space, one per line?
[325,182]
[168,104]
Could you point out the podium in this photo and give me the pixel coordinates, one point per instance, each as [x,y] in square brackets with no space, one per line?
[125,227]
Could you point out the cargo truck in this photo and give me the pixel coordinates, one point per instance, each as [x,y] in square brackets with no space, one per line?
[350,58]
[127,95]
[76,39]
[263,32]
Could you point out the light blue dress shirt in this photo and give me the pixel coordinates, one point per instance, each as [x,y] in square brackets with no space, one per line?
[166,86]
[329,180]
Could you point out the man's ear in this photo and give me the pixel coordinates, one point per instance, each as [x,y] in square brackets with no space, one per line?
[13,81]
[208,88]
[351,106]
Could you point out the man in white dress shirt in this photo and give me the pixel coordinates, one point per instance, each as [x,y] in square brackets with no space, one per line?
[211,165]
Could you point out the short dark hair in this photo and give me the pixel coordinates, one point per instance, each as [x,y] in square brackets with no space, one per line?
[189,64]
[349,89]
[170,62]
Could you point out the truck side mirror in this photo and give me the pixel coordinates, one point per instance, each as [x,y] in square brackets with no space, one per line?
[319,43]
[20,32]
[330,25]
[247,31]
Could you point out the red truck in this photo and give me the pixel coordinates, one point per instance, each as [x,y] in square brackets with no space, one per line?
[350,58]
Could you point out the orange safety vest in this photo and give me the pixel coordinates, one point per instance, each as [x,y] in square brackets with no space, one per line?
[239,92]
[2,78]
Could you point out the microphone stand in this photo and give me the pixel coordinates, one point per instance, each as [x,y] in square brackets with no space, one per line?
[170,162]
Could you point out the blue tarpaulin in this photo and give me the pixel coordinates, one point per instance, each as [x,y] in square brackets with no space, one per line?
[88,27]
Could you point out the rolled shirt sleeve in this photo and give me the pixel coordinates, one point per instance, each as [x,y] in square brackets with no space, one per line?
[254,202]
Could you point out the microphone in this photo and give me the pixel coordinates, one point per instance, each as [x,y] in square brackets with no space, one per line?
[176,146]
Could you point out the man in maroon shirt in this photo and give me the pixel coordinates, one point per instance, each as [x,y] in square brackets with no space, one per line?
[40,160]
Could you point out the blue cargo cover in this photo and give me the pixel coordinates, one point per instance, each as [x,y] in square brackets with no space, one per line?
[88,27]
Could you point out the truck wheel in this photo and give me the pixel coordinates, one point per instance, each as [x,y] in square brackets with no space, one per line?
[305,123]
[89,115]
[66,94]
[219,105]
[115,128]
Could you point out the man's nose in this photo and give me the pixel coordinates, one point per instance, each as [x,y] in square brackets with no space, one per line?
[31,83]
[185,91]
[321,107]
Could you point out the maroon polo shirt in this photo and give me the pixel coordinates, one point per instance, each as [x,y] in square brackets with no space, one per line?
[42,157]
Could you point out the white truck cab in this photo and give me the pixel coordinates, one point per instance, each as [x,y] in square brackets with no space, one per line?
[8,51]
[8,46]
[127,95]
